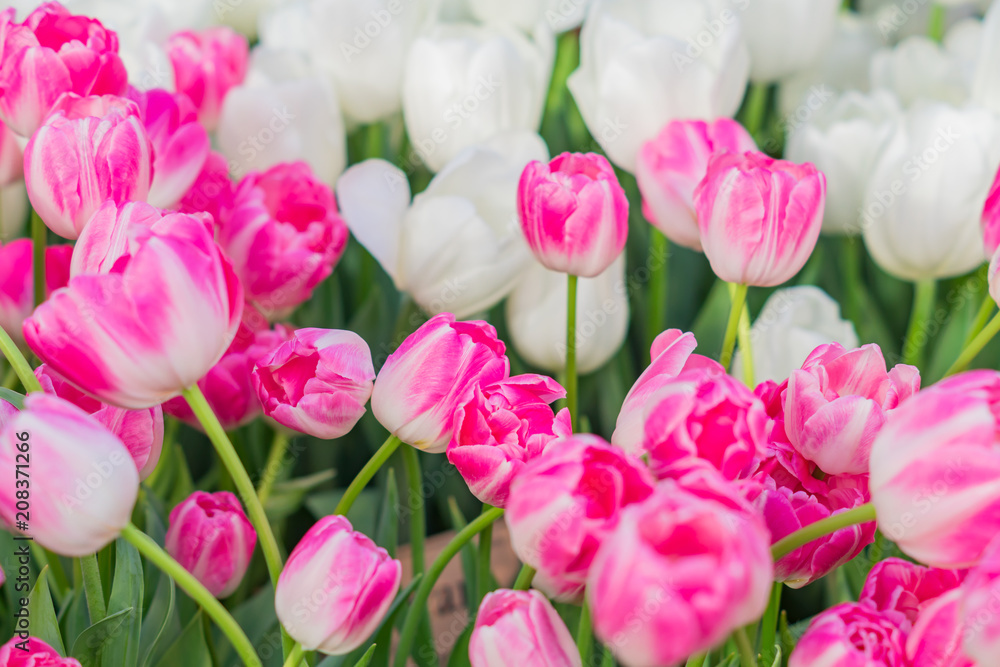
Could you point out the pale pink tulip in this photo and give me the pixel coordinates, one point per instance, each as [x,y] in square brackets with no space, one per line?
[759,218]
[89,150]
[206,65]
[83,481]
[504,426]
[112,233]
[210,535]
[670,166]
[564,504]
[39,654]
[936,637]
[433,373]
[980,607]
[574,213]
[684,568]
[854,634]
[520,628]
[336,588]
[17,292]
[53,52]
[837,402]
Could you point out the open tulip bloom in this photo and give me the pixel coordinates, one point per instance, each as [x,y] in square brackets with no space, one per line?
[534,333]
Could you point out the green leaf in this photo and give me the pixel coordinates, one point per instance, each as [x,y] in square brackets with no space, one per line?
[159,617]
[43,623]
[367,657]
[12,397]
[777,656]
[286,498]
[362,514]
[190,649]
[387,533]
[74,617]
[460,651]
[126,593]
[260,623]
[88,647]
[383,637]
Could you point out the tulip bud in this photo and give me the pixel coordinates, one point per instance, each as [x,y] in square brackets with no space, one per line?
[89,150]
[39,654]
[565,503]
[520,628]
[936,638]
[671,165]
[786,36]
[853,633]
[574,213]
[759,218]
[206,65]
[432,374]
[212,538]
[316,383]
[50,53]
[17,292]
[336,588]
[83,481]
[691,560]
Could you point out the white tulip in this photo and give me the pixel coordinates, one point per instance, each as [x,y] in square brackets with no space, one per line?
[458,247]
[644,63]
[844,140]
[918,68]
[13,210]
[560,15]
[793,322]
[284,111]
[536,317]
[921,217]
[985,83]
[464,84]
[786,36]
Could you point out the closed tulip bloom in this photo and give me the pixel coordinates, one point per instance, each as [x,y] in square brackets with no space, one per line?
[919,69]
[283,235]
[17,292]
[189,301]
[504,426]
[89,150]
[980,592]
[933,466]
[692,561]
[854,634]
[786,36]
[39,654]
[759,218]
[837,402]
[206,65]
[316,383]
[53,52]
[84,482]
[936,638]
[670,166]
[566,503]
[141,431]
[336,588]
[212,538]
[574,213]
[907,587]
[525,14]
[432,374]
[520,628]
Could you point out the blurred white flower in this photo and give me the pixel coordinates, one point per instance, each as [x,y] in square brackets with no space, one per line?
[985,82]
[918,68]
[786,36]
[559,15]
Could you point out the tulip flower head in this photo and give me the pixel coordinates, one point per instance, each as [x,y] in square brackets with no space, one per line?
[520,628]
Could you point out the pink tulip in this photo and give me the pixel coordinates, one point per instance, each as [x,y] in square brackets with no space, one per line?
[83,481]
[316,383]
[504,426]
[206,65]
[336,588]
[284,236]
[759,218]
[89,150]
[53,52]
[434,372]
[149,328]
[991,218]
[180,143]
[574,213]
[837,402]
[520,628]
[670,166]
[906,587]
[994,276]
[113,232]
[212,538]
[934,468]
[936,638]
[980,607]
[141,431]
[11,157]
[565,503]
[212,191]
[39,654]
[853,635]
[17,292]
[683,569]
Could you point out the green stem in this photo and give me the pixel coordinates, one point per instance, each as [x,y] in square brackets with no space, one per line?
[484,577]
[585,635]
[48,559]
[39,234]
[418,519]
[657,305]
[273,466]
[93,588]
[375,140]
[916,334]
[295,657]
[975,346]
[18,363]
[747,658]
[756,108]
[571,397]
[981,320]
[696,660]
[935,24]
[416,610]
[524,578]
[814,531]
[738,296]
[194,588]
[358,484]
[769,624]
[746,354]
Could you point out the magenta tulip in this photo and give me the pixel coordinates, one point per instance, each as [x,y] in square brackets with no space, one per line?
[907,587]
[207,64]
[520,628]
[574,213]
[212,191]
[17,293]
[39,654]
[854,635]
